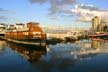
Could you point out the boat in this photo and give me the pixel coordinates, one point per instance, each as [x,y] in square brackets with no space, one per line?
[99,35]
[73,36]
[25,34]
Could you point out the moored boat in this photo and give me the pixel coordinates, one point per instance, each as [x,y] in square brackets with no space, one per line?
[103,35]
[29,34]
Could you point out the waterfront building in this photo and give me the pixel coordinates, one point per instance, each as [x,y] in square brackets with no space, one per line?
[99,25]
[104,25]
[2,26]
[99,28]
[95,23]
[2,29]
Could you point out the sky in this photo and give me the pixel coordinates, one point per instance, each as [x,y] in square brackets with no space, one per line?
[53,13]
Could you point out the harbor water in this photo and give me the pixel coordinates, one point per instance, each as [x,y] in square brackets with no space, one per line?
[80,56]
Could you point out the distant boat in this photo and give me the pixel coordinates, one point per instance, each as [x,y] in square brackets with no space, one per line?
[73,35]
[99,35]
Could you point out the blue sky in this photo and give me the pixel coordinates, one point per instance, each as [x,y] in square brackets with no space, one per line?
[47,13]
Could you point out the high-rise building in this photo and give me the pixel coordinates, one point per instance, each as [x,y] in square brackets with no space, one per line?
[104,24]
[95,23]
[99,25]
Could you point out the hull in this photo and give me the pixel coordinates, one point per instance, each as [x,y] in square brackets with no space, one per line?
[27,43]
[1,34]
[104,37]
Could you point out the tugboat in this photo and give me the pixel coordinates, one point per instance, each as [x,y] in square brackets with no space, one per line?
[30,34]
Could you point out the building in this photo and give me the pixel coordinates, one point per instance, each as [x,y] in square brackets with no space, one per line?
[104,25]
[99,25]
[2,29]
[95,23]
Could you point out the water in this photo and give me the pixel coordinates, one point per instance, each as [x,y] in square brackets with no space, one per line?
[81,56]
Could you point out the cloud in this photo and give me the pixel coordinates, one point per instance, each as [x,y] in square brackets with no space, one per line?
[87,12]
[3,10]
[38,1]
[60,6]
[2,14]
[56,6]
[3,18]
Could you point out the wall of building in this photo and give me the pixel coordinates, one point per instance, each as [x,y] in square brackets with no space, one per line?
[99,25]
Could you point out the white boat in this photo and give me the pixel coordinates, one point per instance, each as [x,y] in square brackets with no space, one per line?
[73,34]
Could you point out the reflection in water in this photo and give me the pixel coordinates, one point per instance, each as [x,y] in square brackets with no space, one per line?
[95,44]
[69,57]
[101,46]
[2,45]
[81,56]
[79,50]
[30,54]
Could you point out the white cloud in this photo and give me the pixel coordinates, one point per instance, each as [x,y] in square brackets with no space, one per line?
[87,12]
[56,6]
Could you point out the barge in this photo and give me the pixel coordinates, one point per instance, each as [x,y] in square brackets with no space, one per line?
[25,34]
